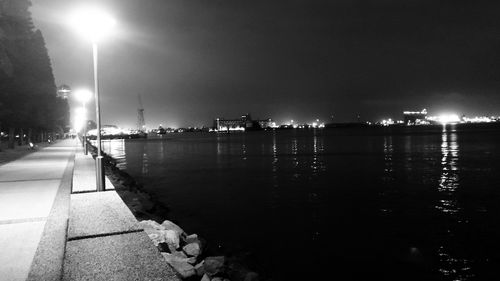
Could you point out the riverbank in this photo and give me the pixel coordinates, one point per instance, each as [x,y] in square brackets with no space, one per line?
[47,232]
[190,255]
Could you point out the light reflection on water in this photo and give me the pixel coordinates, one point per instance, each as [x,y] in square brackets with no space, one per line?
[244,151]
[449,180]
[145,163]
[318,164]
[452,266]
[117,149]
[295,151]
[274,152]
[388,151]
[315,194]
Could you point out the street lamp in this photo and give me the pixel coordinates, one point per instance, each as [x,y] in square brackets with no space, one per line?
[84,96]
[63,91]
[94,24]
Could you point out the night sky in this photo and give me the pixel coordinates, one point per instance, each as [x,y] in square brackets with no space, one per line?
[193,61]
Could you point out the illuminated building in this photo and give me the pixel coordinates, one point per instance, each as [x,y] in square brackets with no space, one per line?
[415,117]
[243,123]
[267,123]
[387,122]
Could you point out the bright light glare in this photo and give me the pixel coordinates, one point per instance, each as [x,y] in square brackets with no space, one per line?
[83,95]
[92,22]
[79,120]
[448,118]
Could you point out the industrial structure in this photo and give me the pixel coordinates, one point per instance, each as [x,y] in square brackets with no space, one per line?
[141,124]
[245,122]
[415,117]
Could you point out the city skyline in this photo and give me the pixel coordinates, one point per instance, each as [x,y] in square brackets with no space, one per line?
[193,62]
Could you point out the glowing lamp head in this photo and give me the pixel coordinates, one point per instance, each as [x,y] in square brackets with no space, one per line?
[83,95]
[92,23]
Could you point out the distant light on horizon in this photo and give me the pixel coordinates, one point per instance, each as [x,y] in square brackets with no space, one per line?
[449,118]
[387,122]
[445,118]
[424,112]
[480,119]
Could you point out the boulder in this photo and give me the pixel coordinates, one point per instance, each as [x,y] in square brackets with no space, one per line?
[157,237]
[154,230]
[191,260]
[170,258]
[168,225]
[217,279]
[180,264]
[179,254]
[172,239]
[205,278]
[191,238]
[150,224]
[192,249]
[200,269]
[185,269]
[214,265]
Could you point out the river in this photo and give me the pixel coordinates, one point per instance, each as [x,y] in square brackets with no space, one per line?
[401,203]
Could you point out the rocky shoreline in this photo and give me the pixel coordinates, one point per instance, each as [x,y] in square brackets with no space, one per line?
[188,255]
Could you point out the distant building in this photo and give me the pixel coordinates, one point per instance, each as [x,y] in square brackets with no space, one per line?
[267,123]
[243,123]
[415,117]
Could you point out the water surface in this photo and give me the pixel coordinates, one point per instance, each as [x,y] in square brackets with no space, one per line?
[417,203]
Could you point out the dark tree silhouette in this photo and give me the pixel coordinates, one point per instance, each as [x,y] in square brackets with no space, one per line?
[28,100]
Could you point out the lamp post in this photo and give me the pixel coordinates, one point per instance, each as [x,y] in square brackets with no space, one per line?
[93,23]
[84,97]
[99,167]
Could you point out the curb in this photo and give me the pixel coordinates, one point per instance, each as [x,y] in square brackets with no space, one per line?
[49,257]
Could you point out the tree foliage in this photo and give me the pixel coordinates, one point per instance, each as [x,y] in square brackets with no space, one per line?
[27,89]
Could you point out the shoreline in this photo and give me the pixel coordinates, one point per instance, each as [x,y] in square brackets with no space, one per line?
[151,213]
[142,204]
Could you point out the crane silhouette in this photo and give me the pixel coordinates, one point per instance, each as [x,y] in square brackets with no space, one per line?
[141,124]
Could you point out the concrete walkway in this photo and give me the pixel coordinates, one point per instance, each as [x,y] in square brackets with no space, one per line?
[84,178]
[53,227]
[28,190]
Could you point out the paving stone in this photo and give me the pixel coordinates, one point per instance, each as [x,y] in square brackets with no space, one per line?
[84,177]
[99,213]
[27,199]
[130,256]
[48,163]
[18,243]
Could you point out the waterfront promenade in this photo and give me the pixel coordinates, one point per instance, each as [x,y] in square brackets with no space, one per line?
[53,226]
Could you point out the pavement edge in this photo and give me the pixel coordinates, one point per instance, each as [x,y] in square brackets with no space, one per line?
[49,257]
